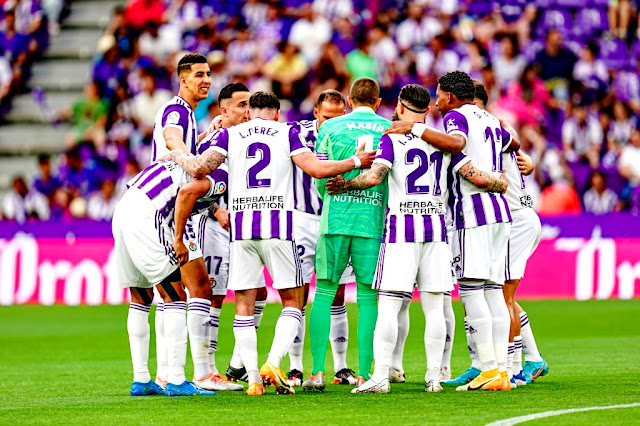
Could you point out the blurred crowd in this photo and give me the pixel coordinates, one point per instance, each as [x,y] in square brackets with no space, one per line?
[564,73]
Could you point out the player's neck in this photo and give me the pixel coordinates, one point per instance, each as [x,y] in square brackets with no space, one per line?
[189,98]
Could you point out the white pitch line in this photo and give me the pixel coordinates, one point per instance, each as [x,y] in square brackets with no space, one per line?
[522,419]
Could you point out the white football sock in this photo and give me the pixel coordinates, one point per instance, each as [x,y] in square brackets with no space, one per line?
[161,344]
[510,359]
[529,347]
[297,348]
[480,324]
[175,332]
[244,330]
[471,347]
[450,322]
[435,332]
[385,335]
[501,322]
[284,335]
[339,336]
[236,359]
[403,332]
[199,339]
[139,335]
[214,327]
[517,354]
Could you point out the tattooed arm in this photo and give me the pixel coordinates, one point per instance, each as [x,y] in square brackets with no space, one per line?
[372,177]
[483,180]
[198,167]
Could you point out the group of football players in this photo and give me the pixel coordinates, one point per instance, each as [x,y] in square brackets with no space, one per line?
[429,209]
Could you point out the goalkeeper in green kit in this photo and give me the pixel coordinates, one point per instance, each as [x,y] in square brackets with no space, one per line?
[350,227]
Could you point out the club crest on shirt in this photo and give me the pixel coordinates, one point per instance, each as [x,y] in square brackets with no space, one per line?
[451,124]
[192,246]
[173,117]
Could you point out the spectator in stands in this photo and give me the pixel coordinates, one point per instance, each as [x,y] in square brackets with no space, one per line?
[88,116]
[159,42]
[102,203]
[599,199]
[270,32]
[53,10]
[508,63]
[621,14]
[334,9]
[629,163]
[121,31]
[592,71]
[476,59]
[384,51]
[309,33]
[527,98]
[140,12]
[244,58]
[76,177]
[621,127]
[329,73]
[6,78]
[359,61]
[15,48]
[436,61]
[344,36]
[131,169]
[287,71]
[559,199]
[108,71]
[582,136]
[417,29]
[147,103]
[21,204]
[254,13]
[556,63]
[46,183]
[30,20]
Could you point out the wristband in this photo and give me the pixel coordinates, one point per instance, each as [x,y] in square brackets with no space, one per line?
[357,161]
[418,129]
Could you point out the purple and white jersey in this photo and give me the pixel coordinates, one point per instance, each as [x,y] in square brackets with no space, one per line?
[261,201]
[306,195]
[486,140]
[202,147]
[175,113]
[417,189]
[162,181]
[516,195]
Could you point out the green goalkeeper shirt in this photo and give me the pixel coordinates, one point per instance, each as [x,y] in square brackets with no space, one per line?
[355,213]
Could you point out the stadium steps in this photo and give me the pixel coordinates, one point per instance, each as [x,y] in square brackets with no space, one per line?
[16,165]
[74,43]
[31,139]
[90,14]
[61,75]
[25,110]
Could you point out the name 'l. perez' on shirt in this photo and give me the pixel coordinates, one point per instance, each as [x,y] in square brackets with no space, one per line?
[486,141]
[261,200]
[417,189]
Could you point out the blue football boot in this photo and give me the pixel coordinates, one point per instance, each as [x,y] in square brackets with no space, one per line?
[465,377]
[534,369]
[144,389]
[187,388]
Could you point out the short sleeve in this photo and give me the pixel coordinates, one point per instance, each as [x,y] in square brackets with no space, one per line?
[322,152]
[458,161]
[506,138]
[296,144]
[456,123]
[219,179]
[385,154]
[176,116]
[220,141]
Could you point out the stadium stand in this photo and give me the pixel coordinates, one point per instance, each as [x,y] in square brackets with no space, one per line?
[565,73]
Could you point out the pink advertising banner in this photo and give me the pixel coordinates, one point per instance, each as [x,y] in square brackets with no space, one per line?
[74,265]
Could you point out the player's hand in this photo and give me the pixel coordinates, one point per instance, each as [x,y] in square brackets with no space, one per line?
[337,185]
[366,158]
[182,254]
[503,178]
[167,157]
[400,127]
[222,216]
[215,124]
[525,163]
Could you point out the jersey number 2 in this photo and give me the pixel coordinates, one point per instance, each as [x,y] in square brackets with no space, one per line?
[253,181]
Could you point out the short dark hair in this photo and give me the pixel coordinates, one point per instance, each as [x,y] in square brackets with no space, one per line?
[44,158]
[416,95]
[189,59]
[365,91]
[264,100]
[459,83]
[330,95]
[481,92]
[227,91]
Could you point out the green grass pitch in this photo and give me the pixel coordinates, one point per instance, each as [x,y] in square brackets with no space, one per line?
[70,365]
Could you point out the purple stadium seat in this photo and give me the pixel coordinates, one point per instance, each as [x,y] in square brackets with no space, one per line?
[544,4]
[634,54]
[570,3]
[614,53]
[590,22]
[560,19]
[600,4]
[531,49]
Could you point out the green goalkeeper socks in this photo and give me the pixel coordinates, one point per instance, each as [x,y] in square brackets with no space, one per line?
[367,317]
[320,322]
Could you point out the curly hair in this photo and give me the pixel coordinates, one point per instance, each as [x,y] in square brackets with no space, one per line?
[459,83]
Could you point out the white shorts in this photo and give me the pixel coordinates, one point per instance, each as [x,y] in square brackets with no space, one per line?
[523,240]
[480,252]
[143,248]
[403,265]
[306,227]
[215,250]
[247,260]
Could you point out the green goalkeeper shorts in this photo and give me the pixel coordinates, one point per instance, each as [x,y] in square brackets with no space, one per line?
[333,253]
